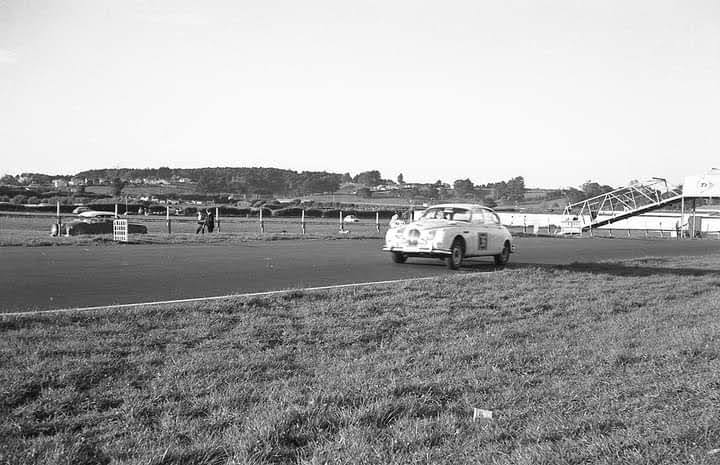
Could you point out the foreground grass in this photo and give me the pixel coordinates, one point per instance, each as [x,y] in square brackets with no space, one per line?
[610,363]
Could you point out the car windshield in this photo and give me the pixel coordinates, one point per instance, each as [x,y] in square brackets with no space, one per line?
[447,213]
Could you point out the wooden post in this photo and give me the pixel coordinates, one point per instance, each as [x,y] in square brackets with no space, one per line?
[377,221]
[682,216]
[116,211]
[217,218]
[693,219]
[167,218]
[59,219]
[262,225]
[342,223]
[302,221]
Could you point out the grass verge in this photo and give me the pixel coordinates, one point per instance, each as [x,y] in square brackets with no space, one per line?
[610,363]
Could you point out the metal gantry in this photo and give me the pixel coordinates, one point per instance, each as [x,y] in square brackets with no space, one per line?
[622,203]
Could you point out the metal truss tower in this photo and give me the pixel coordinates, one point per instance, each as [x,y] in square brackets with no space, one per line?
[622,203]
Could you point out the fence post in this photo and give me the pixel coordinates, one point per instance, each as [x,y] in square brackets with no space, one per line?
[217,218]
[262,225]
[116,211]
[377,221]
[342,223]
[167,217]
[302,221]
[59,219]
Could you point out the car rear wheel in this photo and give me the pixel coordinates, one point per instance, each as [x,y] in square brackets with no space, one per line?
[457,252]
[399,257]
[503,257]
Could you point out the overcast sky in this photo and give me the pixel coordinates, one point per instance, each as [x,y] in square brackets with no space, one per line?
[556,91]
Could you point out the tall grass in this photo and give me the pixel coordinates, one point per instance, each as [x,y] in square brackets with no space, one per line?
[611,363]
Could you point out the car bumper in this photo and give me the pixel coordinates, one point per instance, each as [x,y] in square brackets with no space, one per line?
[418,250]
[428,250]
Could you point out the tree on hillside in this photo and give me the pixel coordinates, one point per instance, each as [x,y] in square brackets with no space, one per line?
[116,186]
[515,189]
[592,189]
[9,180]
[369,178]
[211,181]
[319,182]
[463,187]
[164,173]
[346,178]
[401,179]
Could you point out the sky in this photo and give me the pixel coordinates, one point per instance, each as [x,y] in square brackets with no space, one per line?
[559,92]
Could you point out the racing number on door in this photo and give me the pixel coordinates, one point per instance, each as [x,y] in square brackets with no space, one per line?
[482,241]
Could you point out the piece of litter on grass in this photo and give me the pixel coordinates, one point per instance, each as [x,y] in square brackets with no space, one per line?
[479,413]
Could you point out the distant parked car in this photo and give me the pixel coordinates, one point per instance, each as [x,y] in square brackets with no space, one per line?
[451,232]
[95,225]
[80,209]
[351,219]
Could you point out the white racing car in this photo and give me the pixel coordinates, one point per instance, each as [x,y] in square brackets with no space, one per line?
[451,232]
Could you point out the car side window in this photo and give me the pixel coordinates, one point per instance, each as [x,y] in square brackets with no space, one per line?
[478,217]
[493,218]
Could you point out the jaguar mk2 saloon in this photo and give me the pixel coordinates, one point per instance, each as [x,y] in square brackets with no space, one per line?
[451,232]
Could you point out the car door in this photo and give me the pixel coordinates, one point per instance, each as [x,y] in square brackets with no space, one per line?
[479,237]
[496,232]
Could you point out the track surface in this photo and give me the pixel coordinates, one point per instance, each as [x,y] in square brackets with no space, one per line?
[41,278]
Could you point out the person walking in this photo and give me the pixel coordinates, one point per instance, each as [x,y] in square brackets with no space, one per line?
[201,221]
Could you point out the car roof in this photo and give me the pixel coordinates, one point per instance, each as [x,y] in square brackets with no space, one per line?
[468,206]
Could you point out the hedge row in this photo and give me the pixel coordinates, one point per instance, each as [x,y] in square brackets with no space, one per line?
[224,211]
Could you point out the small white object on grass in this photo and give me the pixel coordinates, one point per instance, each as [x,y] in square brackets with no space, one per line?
[479,413]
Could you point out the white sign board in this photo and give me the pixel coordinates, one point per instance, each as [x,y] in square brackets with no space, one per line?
[120,230]
[702,186]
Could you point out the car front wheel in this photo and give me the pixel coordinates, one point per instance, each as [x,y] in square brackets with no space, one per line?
[399,257]
[457,252]
[503,257]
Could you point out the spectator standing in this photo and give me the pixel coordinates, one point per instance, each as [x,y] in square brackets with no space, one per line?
[210,220]
[201,221]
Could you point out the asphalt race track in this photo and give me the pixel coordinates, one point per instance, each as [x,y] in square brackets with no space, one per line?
[42,278]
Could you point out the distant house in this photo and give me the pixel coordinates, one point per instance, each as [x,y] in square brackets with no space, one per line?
[59,183]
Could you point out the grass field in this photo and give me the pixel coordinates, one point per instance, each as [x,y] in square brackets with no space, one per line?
[34,230]
[609,363]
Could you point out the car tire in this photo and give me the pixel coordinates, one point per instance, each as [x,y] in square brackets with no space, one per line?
[457,252]
[503,257]
[399,257]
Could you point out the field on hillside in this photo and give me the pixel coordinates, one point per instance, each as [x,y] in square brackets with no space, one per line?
[609,363]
